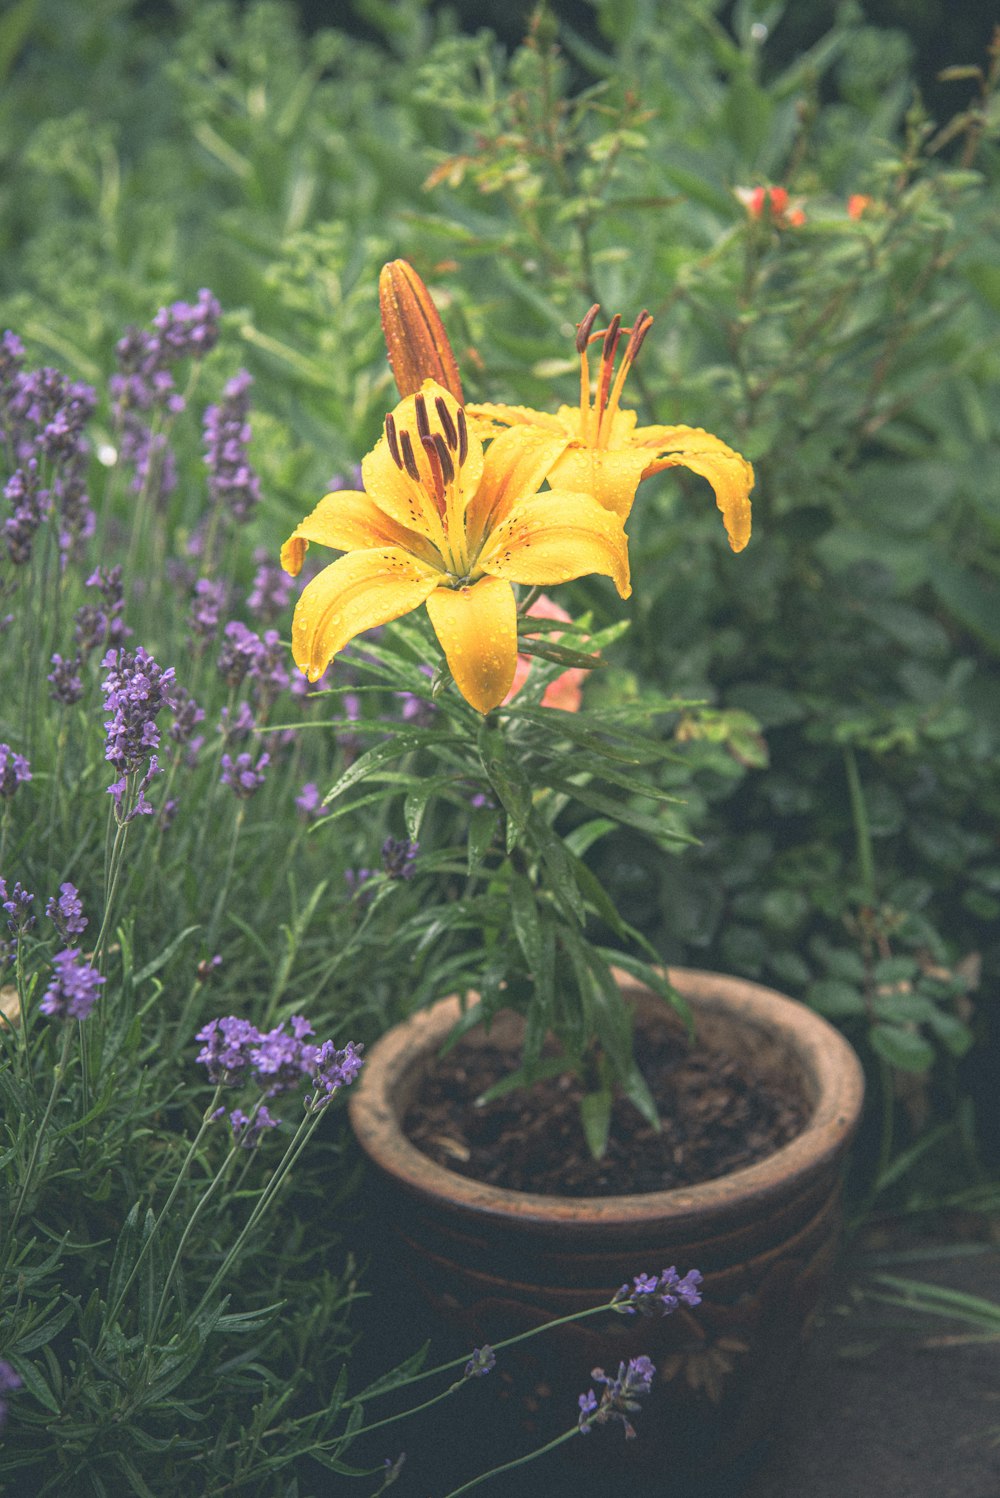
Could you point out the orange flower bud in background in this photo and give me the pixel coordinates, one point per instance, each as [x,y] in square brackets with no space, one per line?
[415,338]
[857,203]
[566,691]
[773,203]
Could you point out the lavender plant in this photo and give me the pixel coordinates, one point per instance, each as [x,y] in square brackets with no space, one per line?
[145,1241]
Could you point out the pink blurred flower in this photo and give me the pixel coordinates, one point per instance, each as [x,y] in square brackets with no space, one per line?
[566,691]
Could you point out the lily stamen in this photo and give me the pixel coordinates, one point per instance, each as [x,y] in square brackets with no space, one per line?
[392,441]
[608,351]
[583,328]
[447,425]
[409,461]
[434,453]
[420,412]
[638,332]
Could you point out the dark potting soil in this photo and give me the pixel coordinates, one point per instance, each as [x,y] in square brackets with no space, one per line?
[717,1113]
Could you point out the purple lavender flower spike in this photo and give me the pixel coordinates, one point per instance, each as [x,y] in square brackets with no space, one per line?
[237,726]
[659,1295]
[309,802]
[226,1049]
[282,1060]
[240,653]
[271,589]
[399,858]
[189,330]
[29,505]
[249,1129]
[96,626]
[207,603]
[73,990]
[17,904]
[66,912]
[334,1070]
[135,689]
[483,1359]
[187,715]
[619,1397]
[145,385]
[268,672]
[243,777]
[65,681]
[14,771]
[232,483]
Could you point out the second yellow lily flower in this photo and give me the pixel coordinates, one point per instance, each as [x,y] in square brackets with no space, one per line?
[605,452]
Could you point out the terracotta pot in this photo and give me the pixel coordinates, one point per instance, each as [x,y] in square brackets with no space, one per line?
[492,1262]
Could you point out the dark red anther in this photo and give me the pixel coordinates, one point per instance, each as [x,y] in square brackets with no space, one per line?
[611,338]
[391,439]
[640,328]
[444,417]
[423,425]
[463,437]
[583,328]
[409,461]
[433,447]
[444,457]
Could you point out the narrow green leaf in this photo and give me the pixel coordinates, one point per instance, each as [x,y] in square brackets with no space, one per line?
[41,1335]
[395,747]
[164,957]
[126,1250]
[595,1115]
[524,916]
[37,1385]
[483,823]
[152,1274]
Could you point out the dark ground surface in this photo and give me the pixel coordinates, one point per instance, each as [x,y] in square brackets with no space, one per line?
[888,1403]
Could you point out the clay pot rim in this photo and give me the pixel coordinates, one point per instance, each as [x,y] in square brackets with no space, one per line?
[827,1058]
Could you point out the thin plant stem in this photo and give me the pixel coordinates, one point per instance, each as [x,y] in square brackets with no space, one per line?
[111,882]
[189,1226]
[223,895]
[299,1141]
[57,1081]
[518,1461]
[206,1123]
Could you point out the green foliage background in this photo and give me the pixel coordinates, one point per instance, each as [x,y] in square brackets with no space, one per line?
[841,779]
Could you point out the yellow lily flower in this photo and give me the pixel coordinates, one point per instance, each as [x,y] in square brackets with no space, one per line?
[606,454]
[444,523]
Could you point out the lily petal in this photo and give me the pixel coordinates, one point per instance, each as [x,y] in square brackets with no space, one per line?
[555,537]
[517,463]
[477,629]
[611,475]
[728,472]
[356,592]
[348,520]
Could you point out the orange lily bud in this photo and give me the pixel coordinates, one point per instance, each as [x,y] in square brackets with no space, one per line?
[415,338]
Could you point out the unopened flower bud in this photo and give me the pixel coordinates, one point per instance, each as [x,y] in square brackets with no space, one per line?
[415,338]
